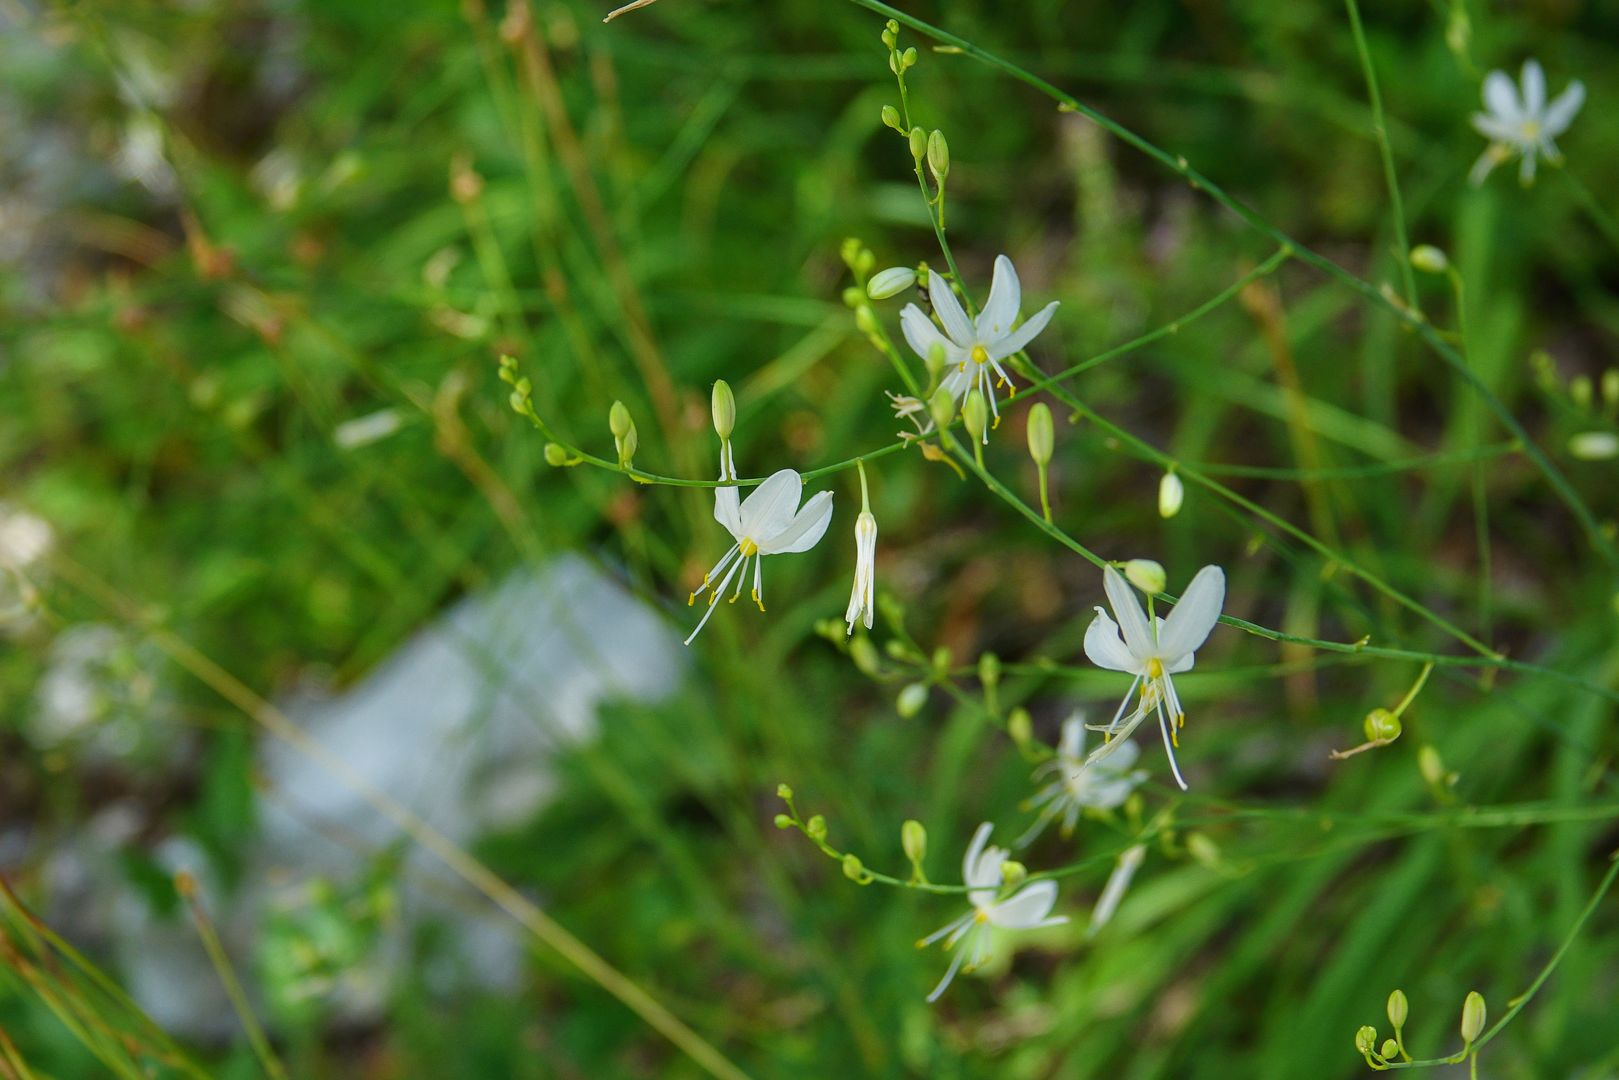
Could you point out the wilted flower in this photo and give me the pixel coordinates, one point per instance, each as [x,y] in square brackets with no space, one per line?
[768,522]
[975,348]
[865,571]
[1152,652]
[1027,909]
[1523,124]
[1103,785]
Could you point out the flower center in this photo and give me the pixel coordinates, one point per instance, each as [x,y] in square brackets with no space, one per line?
[980,355]
[1155,668]
[1531,129]
[980,916]
[748,547]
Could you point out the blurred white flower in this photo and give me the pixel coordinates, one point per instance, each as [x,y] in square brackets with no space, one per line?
[1522,123]
[367,429]
[1027,909]
[24,538]
[1117,883]
[1103,785]
[1152,652]
[767,522]
[1594,445]
[865,571]
[973,349]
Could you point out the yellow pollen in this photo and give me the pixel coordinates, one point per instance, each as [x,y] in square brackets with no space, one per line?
[980,355]
[1155,668]
[713,598]
[756,599]
[692,599]
[1531,129]
[996,424]
[1174,739]
[749,548]
[980,916]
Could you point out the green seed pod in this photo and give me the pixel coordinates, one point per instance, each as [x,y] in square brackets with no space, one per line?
[1429,259]
[1382,726]
[913,837]
[911,699]
[1399,1009]
[1041,432]
[864,655]
[1146,575]
[1473,1014]
[975,414]
[890,282]
[938,156]
[919,143]
[618,419]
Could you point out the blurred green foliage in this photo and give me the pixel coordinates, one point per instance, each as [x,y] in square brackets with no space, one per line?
[234,228]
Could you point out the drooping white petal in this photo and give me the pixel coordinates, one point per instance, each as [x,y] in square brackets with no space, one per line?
[1017,339]
[1534,89]
[1072,742]
[727,510]
[1496,129]
[1562,109]
[1117,883]
[1127,610]
[1005,294]
[1485,164]
[1501,97]
[1106,649]
[1526,167]
[948,308]
[975,851]
[804,530]
[1188,626]
[921,335]
[1027,909]
[770,507]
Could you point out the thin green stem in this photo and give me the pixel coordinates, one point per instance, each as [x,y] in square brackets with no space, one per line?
[1407,277]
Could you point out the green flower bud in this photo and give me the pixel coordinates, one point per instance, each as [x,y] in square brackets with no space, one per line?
[1473,1014]
[864,262]
[627,446]
[1432,766]
[1366,1039]
[1203,849]
[989,669]
[783,821]
[1429,259]
[555,456]
[890,282]
[1390,1048]
[908,58]
[919,143]
[618,419]
[938,156]
[815,828]
[1579,388]
[1042,435]
[941,660]
[1020,725]
[723,405]
[1171,493]
[1610,386]
[942,407]
[863,653]
[853,297]
[935,361]
[1399,1009]
[849,250]
[891,119]
[1145,575]
[911,699]
[913,837]
[855,870]
[866,320]
[975,414]
[1013,873]
[1382,726]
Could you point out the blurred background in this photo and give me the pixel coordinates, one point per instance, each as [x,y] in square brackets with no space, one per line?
[258,262]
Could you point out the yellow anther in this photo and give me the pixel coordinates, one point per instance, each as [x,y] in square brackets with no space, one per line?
[1002,382]
[980,355]
[1180,721]
[713,598]
[1173,738]
[1531,129]
[980,916]
[996,424]
[756,599]
[692,599]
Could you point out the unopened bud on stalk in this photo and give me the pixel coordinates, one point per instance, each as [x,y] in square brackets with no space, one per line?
[1042,436]
[783,821]
[1366,1039]
[864,655]
[942,407]
[935,360]
[855,870]
[1579,389]
[1399,1009]
[1429,259]
[890,282]
[815,827]
[891,119]
[1013,873]
[618,419]
[913,837]
[1473,1014]
[1146,575]
[555,455]
[1171,493]
[1610,386]
[911,699]
[723,405]
[975,414]
[1382,726]
[908,58]
[1020,726]
[938,156]
[1390,1048]
[919,143]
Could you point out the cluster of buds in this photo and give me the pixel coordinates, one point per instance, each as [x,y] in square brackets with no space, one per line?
[1392,1050]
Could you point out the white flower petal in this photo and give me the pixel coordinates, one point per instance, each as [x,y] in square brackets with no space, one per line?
[1138,636]
[772,504]
[1106,649]
[1562,109]
[1534,89]
[1485,164]
[1188,626]
[1005,294]
[1072,742]
[804,530]
[975,851]
[1501,97]
[1117,883]
[1017,339]
[1027,909]
[1526,168]
[921,335]
[1496,129]
[948,308]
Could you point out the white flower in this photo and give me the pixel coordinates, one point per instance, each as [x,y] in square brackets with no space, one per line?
[1524,124]
[974,348]
[767,522]
[1117,883]
[1103,785]
[865,571]
[1027,909]
[1152,652]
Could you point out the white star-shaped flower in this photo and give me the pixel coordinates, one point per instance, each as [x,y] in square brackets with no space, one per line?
[767,522]
[1029,908]
[974,348]
[1104,784]
[1523,124]
[1152,652]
